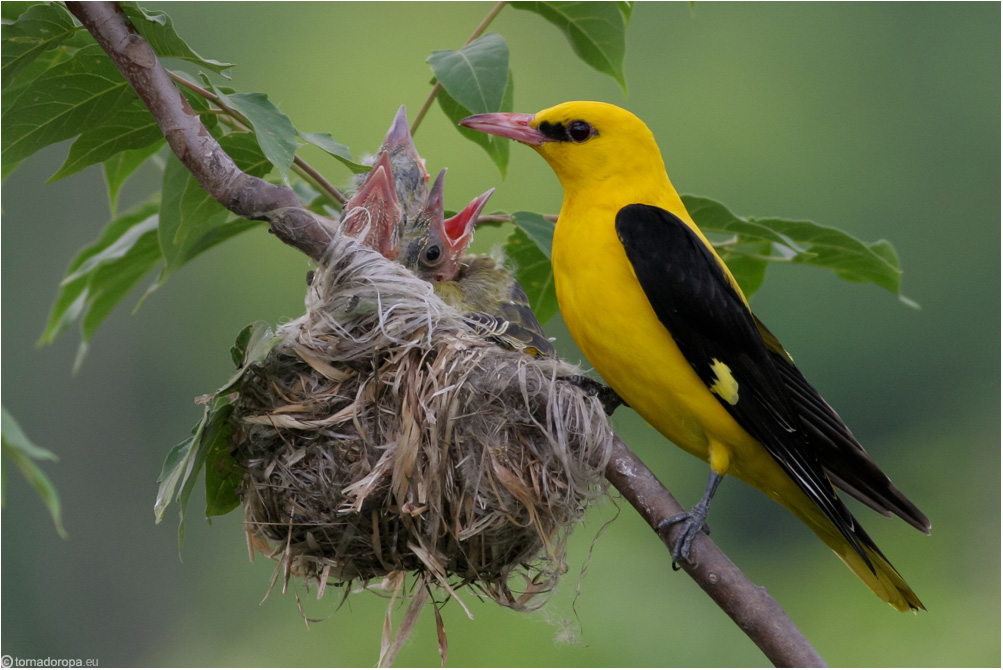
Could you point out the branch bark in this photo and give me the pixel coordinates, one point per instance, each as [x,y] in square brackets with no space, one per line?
[758,615]
[749,606]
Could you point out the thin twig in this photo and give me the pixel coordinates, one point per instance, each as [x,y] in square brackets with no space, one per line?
[438,86]
[302,168]
[318,179]
[425,107]
[509,218]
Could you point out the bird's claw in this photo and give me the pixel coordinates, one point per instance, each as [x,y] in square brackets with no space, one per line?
[692,523]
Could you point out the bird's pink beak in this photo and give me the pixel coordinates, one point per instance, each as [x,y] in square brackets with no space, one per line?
[513,126]
[460,227]
[373,211]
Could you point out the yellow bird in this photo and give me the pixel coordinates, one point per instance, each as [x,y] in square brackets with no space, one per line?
[660,316]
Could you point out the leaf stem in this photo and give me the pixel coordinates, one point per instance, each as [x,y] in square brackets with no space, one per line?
[300,166]
[438,86]
[509,218]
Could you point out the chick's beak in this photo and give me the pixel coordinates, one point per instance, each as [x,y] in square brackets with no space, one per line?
[460,227]
[434,204]
[399,141]
[399,133]
[513,126]
[379,185]
[373,211]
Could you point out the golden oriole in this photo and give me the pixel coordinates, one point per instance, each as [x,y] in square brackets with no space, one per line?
[660,316]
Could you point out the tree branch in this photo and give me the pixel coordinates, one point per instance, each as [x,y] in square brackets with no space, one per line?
[748,605]
[242,194]
[758,615]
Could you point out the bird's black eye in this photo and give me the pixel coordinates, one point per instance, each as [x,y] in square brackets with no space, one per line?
[579,131]
[432,253]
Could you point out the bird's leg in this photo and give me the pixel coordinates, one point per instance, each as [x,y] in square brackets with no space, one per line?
[609,398]
[692,522]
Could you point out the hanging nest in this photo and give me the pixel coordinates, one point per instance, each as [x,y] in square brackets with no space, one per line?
[383,436]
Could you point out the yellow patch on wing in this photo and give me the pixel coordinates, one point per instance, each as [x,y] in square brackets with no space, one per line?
[724,384]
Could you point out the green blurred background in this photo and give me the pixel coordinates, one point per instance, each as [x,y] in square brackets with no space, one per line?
[880,119]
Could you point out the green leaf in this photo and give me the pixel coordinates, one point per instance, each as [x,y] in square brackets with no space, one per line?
[239,348]
[712,216]
[22,81]
[253,344]
[191,221]
[597,31]
[180,196]
[11,10]
[37,30]
[540,230]
[219,234]
[534,273]
[121,166]
[122,247]
[131,128]
[118,249]
[626,9]
[13,433]
[311,198]
[109,276]
[215,426]
[22,451]
[115,278]
[190,467]
[185,461]
[476,76]
[177,478]
[158,29]
[223,476]
[66,100]
[327,143]
[807,243]
[747,263]
[273,129]
[29,74]
[497,147]
[170,474]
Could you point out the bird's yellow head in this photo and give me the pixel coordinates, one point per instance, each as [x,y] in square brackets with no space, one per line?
[588,144]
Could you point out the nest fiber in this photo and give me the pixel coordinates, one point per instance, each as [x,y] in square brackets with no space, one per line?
[383,435]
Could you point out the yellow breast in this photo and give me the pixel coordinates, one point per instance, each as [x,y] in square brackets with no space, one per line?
[611,320]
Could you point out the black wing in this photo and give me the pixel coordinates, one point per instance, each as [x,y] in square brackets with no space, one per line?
[709,321]
[845,461]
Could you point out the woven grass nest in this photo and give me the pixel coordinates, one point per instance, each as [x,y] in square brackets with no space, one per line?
[382,436]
